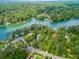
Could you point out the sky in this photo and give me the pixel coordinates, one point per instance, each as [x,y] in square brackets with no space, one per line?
[39,0]
[48,0]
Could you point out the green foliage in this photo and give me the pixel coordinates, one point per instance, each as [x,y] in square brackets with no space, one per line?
[13,53]
[61,42]
[19,12]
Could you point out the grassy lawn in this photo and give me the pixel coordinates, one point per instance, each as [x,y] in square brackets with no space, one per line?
[1,46]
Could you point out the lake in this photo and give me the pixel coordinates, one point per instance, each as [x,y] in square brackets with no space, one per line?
[4,31]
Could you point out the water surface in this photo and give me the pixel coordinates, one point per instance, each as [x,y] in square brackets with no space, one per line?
[4,31]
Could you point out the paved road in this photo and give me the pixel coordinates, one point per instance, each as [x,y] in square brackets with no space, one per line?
[48,54]
[32,49]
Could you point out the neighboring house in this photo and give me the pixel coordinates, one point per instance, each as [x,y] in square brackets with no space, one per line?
[30,49]
[38,36]
[18,39]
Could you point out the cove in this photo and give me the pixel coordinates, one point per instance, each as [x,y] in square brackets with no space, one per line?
[6,29]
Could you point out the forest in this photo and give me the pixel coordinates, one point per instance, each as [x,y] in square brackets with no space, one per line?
[11,13]
[39,41]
